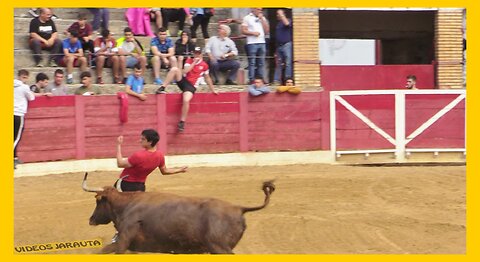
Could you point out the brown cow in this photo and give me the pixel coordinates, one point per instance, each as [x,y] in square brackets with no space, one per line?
[168,223]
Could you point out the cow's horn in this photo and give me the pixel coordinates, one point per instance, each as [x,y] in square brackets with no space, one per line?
[86,188]
[119,183]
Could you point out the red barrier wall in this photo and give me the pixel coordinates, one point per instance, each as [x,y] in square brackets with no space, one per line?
[79,127]
[375,77]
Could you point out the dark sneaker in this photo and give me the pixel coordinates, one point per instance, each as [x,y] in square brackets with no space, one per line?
[160,90]
[230,82]
[181,126]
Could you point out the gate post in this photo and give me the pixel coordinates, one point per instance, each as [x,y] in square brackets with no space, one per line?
[400,126]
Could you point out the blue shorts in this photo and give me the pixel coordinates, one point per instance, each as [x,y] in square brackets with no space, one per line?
[131,62]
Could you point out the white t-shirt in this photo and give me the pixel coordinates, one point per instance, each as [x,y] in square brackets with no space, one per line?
[22,94]
[254,24]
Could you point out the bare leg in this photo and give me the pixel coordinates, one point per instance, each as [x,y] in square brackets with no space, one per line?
[187,96]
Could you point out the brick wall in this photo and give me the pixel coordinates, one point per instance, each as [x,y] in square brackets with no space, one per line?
[449,48]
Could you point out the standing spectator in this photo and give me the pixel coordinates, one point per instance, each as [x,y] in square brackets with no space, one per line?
[40,85]
[139,21]
[201,17]
[173,15]
[43,35]
[187,81]
[101,17]
[87,88]
[258,87]
[85,32]
[57,88]
[106,55]
[255,27]
[283,36]
[135,83]
[131,53]
[73,55]
[21,96]
[222,52]
[411,82]
[183,48]
[163,54]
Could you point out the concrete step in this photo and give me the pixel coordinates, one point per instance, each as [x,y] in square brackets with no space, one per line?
[21,25]
[72,13]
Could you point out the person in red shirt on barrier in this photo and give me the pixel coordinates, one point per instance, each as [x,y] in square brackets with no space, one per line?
[187,80]
[139,165]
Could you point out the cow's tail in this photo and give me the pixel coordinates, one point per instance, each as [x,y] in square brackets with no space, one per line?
[268,188]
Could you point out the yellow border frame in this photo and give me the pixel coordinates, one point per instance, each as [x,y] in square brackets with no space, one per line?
[473,219]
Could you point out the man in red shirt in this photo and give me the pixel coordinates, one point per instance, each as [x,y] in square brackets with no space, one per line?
[187,80]
[139,165]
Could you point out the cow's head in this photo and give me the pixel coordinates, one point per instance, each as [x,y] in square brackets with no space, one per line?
[103,213]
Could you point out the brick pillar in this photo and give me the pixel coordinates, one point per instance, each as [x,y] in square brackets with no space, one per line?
[305,47]
[449,48]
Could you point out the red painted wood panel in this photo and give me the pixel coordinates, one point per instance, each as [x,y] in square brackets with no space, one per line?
[56,101]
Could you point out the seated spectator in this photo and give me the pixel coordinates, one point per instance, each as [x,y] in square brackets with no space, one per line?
[289,87]
[222,52]
[139,21]
[106,55]
[87,88]
[200,16]
[187,81]
[135,83]
[173,15]
[163,54]
[57,88]
[156,16]
[40,85]
[85,32]
[43,35]
[258,87]
[73,55]
[183,49]
[130,52]
[101,18]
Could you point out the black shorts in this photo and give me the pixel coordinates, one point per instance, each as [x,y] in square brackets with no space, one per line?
[185,86]
[131,186]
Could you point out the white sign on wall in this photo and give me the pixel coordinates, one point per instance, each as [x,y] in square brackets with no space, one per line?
[347,51]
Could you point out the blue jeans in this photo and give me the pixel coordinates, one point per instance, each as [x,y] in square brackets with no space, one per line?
[284,56]
[256,60]
[101,17]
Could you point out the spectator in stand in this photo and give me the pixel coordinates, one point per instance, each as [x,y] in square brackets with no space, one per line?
[156,16]
[21,96]
[173,15]
[222,52]
[43,35]
[258,87]
[200,17]
[73,55]
[41,82]
[85,32]
[163,54]
[289,87]
[57,88]
[187,81]
[183,49]
[283,36]
[106,55]
[135,84]
[139,21]
[101,18]
[411,82]
[131,53]
[87,88]
[255,27]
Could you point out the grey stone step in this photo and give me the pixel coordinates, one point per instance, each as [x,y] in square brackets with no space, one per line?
[21,25]
[72,13]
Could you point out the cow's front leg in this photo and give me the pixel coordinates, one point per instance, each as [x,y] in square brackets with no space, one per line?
[125,236]
[109,249]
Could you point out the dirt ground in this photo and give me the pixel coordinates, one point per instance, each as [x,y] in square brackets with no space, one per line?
[316,209]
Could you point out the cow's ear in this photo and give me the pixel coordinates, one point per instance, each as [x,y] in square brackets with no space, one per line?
[98,197]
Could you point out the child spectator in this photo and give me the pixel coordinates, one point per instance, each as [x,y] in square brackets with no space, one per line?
[258,87]
[85,32]
[106,55]
[86,89]
[73,55]
[183,48]
[289,87]
[135,83]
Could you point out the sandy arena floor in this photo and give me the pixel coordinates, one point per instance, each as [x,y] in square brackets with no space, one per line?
[316,209]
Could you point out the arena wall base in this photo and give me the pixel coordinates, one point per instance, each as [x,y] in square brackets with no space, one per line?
[199,160]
